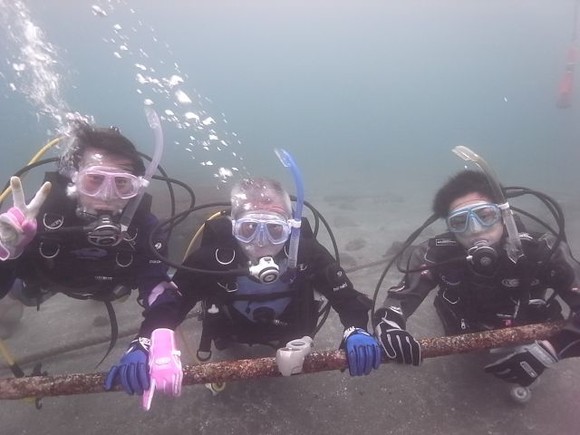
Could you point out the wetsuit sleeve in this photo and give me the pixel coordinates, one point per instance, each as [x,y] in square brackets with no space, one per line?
[193,285]
[563,275]
[165,311]
[159,297]
[170,308]
[331,280]
[406,297]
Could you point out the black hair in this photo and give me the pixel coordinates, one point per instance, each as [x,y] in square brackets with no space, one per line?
[459,185]
[110,139]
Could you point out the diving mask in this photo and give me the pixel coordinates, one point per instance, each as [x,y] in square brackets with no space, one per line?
[485,214]
[261,229]
[107,182]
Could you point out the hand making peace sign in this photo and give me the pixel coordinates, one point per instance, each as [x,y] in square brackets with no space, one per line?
[18,224]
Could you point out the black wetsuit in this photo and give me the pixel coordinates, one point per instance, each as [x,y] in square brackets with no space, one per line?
[511,295]
[60,261]
[240,309]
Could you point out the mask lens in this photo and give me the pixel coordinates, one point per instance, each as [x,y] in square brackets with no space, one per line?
[246,230]
[277,233]
[123,186]
[487,215]
[91,184]
[126,185]
[457,222]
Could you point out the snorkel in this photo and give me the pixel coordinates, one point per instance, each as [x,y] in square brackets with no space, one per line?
[131,207]
[513,245]
[296,221]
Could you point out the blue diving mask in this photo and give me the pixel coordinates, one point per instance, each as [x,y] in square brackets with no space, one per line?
[486,215]
[261,229]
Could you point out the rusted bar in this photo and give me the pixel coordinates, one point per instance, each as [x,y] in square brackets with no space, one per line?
[434,347]
[239,370]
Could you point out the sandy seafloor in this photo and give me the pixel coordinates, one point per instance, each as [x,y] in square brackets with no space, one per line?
[445,395]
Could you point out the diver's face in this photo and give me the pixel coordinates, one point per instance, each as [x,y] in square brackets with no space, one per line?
[106,182]
[480,217]
[261,234]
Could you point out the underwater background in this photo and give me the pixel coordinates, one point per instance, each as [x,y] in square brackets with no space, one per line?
[368,96]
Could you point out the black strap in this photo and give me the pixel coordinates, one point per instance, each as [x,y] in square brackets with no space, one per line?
[114,330]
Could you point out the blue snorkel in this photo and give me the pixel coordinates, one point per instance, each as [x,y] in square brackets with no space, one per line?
[296,220]
[131,208]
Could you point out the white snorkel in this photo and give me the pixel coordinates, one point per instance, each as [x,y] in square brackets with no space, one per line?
[296,221]
[514,245]
[133,204]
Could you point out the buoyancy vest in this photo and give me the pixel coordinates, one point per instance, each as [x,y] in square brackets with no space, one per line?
[64,261]
[252,304]
[245,310]
[500,298]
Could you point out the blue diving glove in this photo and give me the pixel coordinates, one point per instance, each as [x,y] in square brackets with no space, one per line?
[132,372]
[524,365]
[362,351]
[397,343]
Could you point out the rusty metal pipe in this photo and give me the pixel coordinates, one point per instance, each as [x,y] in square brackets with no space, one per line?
[247,369]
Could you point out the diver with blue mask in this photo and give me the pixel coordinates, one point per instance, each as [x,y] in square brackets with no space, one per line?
[477,226]
[491,273]
[254,290]
[273,303]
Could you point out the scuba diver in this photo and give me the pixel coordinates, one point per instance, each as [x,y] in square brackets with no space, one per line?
[85,233]
[255,273]
[491,273]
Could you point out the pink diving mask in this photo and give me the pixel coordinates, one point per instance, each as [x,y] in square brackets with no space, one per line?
[106,182]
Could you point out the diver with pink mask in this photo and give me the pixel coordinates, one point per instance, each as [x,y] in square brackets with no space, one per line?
[86,231]
[68,238]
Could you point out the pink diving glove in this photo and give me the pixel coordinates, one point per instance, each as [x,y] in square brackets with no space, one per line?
[18,224]
[165,371]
